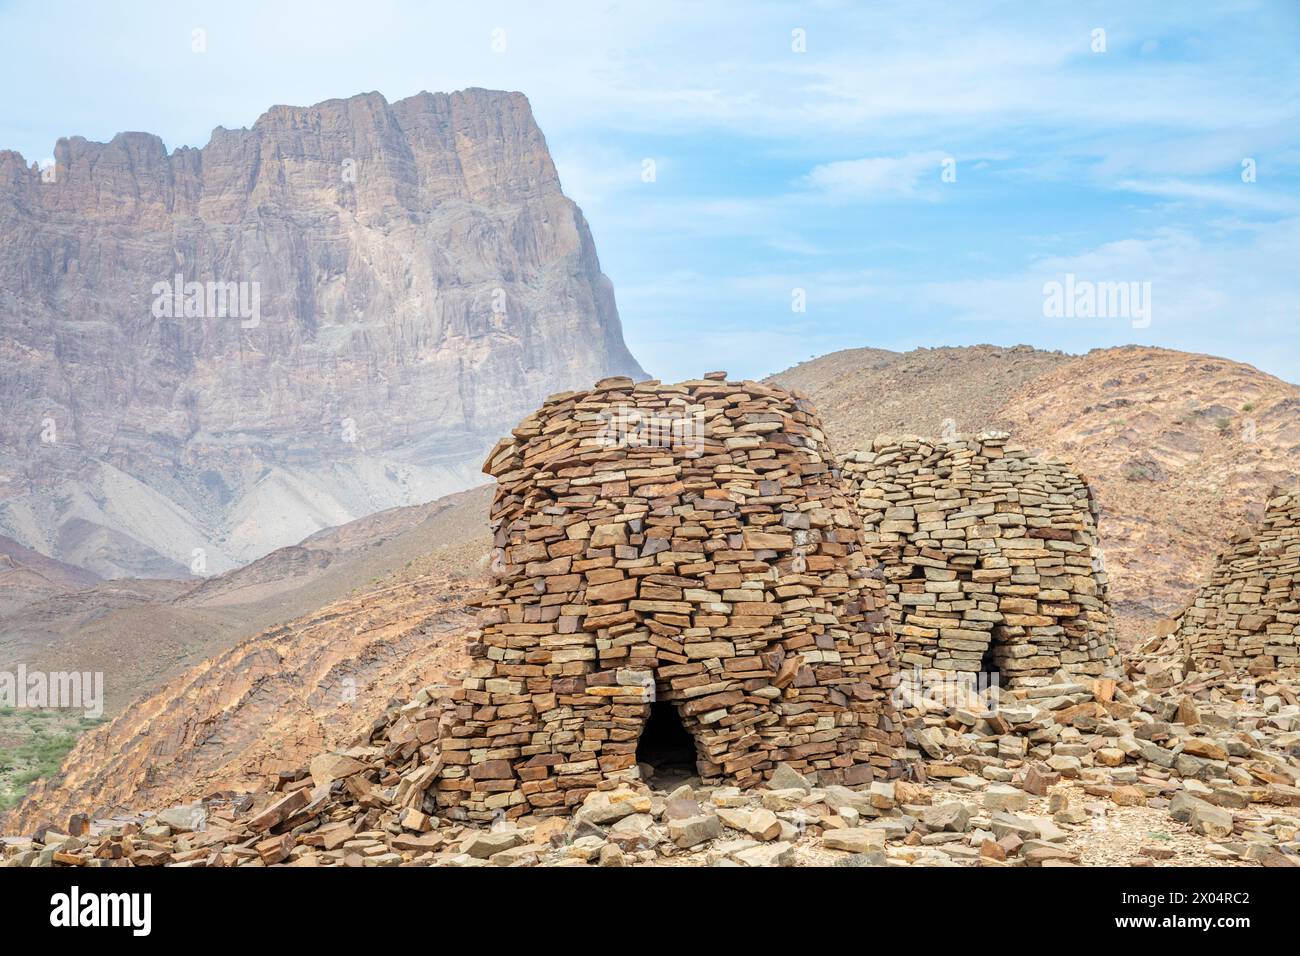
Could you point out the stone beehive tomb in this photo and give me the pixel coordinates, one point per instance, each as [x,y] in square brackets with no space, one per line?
[989,555]
[681,579]
[1248,615]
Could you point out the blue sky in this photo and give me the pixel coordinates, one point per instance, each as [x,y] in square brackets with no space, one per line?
[776,169]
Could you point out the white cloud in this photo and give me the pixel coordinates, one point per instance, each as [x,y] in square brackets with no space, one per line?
[914,175]
[905,70]
[1233,295]
[1250,195]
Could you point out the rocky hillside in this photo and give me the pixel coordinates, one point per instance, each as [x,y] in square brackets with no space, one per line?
[1147,426]
[211,353]
[268,704]
[140,633]
[923,392]
[1181,449]
[388,613]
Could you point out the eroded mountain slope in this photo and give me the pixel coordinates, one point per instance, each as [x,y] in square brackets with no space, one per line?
[140,633]
[278,697]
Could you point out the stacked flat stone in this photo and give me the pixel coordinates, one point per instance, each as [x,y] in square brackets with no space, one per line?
[990,558]
[1248,616]
[689,543]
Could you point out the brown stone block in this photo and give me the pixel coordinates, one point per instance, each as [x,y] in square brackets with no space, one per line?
[491,770]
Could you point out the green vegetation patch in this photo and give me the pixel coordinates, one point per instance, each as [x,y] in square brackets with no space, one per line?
[33,744]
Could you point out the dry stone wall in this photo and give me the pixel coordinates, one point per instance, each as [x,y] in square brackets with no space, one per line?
[989,555]
[691,544]
[1248,615]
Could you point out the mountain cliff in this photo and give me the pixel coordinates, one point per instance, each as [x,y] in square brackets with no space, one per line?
[211,353]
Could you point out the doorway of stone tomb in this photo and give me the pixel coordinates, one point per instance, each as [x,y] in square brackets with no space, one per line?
[666,749]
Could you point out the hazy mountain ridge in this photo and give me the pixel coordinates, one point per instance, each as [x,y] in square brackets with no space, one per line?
[27,575]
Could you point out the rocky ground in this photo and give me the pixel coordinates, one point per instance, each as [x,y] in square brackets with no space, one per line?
[1162,768]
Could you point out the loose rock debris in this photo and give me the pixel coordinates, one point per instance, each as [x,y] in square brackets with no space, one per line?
[729,584]
[1201,769]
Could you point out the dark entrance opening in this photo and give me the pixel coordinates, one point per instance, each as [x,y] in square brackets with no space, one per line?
[989,665]
[990,675]
[666,750]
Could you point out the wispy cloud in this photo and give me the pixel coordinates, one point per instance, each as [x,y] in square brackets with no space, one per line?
[914,175]
[1245,194]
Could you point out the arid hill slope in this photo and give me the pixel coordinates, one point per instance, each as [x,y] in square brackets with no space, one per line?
[140,633]
[862,393]
[269,704]
[275,699]
[27,576]
[1181,448]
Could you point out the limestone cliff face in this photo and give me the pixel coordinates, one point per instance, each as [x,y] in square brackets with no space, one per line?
[211,353]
